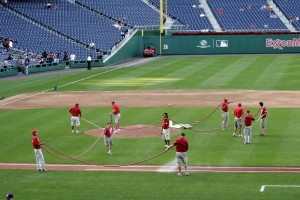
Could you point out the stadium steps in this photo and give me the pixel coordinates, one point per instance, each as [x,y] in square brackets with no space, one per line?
[281,16]
[115,49]
[211,16]
[170,22]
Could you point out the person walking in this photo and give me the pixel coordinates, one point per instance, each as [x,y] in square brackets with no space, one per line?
[248,127]
[165,131]
[89,61]
[225,114]
[262,118]
[117,113]
[75,117]
[108,141]
[182,146]
[238,113]
[40,161]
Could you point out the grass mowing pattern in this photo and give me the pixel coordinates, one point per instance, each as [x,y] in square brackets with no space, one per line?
[257,72]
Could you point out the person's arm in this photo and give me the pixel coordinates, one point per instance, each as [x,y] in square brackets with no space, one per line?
[169,147]
[113,110]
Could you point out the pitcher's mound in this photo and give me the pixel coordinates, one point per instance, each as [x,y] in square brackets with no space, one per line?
[134,131]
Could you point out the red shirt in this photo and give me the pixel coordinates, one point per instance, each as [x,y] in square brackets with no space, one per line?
[75,111]
[36,142]
[263,112]
[115,109]
[238,112]
[165,124]
[248,119]
[108,131]
[181,144]
[225,106]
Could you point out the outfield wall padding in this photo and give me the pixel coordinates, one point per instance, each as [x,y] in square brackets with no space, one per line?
[223,44]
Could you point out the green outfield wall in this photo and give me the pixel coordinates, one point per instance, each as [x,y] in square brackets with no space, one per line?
[222,44]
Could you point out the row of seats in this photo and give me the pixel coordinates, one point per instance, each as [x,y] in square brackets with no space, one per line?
[290,9]
[76,21]
[187,12]
[35,39]
[72,20]
[132,12]
[235,15]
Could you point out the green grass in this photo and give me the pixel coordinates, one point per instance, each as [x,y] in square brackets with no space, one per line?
[255,72]
[138,185]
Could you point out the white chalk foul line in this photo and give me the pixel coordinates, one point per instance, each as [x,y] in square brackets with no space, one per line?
[33,95]
[281,186]
[90,122]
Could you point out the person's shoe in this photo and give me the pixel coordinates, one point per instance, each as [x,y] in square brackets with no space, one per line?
[240,135]
[72,131]
[44,170]
[187,174]
[77,132]
[234,134]
[109,152]
[179,174]
[39,170]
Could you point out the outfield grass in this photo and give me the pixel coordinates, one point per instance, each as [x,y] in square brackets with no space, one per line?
[255,72]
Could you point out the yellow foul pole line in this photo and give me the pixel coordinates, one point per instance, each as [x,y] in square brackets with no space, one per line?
[161,28]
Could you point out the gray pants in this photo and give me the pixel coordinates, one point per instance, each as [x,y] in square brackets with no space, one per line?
[40,161]
[248,134]
[225,117]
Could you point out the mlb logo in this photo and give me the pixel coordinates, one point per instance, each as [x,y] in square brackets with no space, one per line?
[221,43]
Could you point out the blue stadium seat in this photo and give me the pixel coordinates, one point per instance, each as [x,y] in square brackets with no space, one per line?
[241,15]
[291,9]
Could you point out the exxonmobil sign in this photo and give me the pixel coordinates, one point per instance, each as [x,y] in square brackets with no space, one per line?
[280,44]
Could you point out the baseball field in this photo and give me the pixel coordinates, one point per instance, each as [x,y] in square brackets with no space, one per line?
[189,89]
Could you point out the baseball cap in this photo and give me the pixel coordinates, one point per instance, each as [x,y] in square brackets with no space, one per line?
[239,104]
[113,102]
[9,196]
[34,131]
[225,99]
[248,111]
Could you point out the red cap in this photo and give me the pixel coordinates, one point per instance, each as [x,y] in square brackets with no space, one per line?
[225,99]
[240,104]
[112,102]
[34,132]
[248,111]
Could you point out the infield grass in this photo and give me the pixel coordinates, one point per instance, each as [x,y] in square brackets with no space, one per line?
[138,185]
[255,72]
